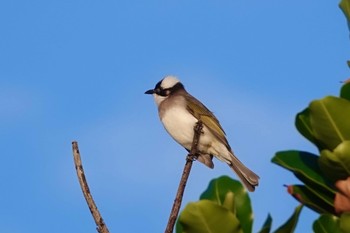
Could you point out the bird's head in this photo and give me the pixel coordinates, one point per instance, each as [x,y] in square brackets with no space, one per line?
[165,88]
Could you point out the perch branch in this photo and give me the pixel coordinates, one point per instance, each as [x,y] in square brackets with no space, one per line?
[100,225]
[185,174]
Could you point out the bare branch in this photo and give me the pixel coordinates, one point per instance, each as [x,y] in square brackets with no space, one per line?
[100,225]
[185,174]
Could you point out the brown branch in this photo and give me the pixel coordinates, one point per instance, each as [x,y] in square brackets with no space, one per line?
[100,225]
[186,172]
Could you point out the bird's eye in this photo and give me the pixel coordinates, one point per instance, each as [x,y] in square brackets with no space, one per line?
[167,92]
[163,92]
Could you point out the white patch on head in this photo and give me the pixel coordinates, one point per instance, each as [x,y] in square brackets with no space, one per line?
[169,81]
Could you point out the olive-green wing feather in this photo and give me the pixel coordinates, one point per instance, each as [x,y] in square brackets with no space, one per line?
[199,111]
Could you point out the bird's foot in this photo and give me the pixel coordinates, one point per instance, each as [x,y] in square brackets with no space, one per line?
[192,157]
[198,127]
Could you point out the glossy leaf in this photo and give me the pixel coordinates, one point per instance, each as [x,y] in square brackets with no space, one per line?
[336,165]
[329,118]
[291,223]
[232,195]
[326,194]
[206,217]
[313,199]
[266,228]
[345,91]
[326,223]
[303,125]
[305,167]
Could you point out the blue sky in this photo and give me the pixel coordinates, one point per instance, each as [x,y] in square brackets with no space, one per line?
[77,70]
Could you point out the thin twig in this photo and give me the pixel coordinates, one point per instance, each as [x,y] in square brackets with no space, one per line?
[101,227]
[185,174]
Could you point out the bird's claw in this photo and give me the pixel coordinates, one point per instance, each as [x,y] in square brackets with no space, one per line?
[198,127]
[192,157]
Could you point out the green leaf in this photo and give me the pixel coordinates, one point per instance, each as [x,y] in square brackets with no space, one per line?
[266,228]
[207,217]
[344,222]
[326,223]
[326,194]
[345,6]
[305,167]
[291,223]
[336,165]
[178,227]
[232,195]
[345,91]
[329,118]
[303,125]
[313,199]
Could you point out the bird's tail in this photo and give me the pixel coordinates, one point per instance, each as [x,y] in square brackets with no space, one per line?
[249,178]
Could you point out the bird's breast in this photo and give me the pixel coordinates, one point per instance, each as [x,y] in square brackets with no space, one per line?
[179,123]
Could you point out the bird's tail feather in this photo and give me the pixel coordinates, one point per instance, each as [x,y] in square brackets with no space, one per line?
[248,177]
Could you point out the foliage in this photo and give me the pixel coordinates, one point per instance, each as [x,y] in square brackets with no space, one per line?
[329,223]
[325,123]
[225,207]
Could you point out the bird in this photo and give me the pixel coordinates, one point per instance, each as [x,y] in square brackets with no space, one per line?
[179,111]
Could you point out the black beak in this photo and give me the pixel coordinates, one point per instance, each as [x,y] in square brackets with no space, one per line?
[150,92]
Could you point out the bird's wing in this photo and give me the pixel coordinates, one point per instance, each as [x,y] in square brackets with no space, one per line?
[200,112]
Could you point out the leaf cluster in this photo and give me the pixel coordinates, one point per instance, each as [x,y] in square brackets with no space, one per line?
[326,124]
[225,207]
